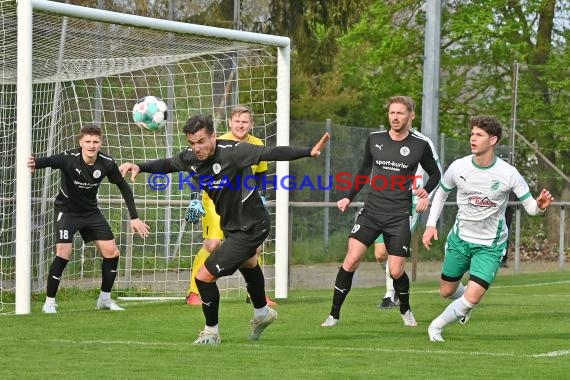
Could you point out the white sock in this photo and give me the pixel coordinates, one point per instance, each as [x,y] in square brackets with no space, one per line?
[212,329]
[105,295]
[50,300]
[458,292]
[390,292]
[452,312]
[261,312]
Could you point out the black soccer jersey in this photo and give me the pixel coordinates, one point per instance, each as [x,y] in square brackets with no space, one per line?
[224,178]
[391,166]
[80,182]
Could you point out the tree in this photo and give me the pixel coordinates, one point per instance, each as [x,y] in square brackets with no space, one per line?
[314,27]
[383,55]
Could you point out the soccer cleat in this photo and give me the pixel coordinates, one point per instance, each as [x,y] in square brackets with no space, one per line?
[108,304]
[386,303]
[463,320]
[330,322]
[206,337]
[193,299]
[409,319]
[435,334]
[260,323]
[49,308]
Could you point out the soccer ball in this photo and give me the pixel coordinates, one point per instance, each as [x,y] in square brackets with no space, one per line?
[150,113]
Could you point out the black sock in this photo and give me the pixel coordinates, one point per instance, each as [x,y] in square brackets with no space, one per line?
[255,283]
[210,295]
[54,275]
[109,273]
[402,288]
[342,287]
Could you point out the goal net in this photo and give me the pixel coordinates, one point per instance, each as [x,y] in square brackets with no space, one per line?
[90,67]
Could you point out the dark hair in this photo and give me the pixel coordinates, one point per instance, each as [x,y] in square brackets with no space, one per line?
[195,123]
[405,100]
[91,130]
[489,124]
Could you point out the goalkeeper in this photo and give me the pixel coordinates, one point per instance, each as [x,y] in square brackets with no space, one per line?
[240,124]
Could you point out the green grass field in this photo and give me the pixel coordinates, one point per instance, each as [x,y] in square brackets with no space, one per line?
[520,331]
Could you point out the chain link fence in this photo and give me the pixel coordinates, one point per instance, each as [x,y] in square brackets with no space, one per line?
[319,232]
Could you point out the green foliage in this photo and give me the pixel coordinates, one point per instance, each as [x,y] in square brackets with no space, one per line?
[314,27]
[382,56]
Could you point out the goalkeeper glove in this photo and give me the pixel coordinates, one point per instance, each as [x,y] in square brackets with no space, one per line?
[194,211]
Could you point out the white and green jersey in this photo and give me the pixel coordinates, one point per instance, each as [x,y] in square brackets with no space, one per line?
[482,197]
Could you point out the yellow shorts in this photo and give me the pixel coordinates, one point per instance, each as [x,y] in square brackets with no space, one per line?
[211,222]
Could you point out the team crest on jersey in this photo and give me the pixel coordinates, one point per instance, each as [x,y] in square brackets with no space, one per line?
[97,173]
[480,201]
[217,168]
[495,185]
[404,151]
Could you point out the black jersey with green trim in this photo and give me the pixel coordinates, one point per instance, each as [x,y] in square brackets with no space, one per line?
[391,166]
[227,178]
[79,184]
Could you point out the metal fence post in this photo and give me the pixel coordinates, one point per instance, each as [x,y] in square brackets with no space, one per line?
[517,239]
[561,250]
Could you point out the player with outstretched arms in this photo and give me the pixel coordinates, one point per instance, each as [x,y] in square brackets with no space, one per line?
[243,217]
[478,238]
[240,125]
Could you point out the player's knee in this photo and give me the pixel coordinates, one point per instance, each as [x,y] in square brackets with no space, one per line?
[204,275]
[395,273]
[448,291]
[381,256]
[111,254]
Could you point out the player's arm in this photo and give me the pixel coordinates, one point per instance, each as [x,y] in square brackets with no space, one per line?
[520,188]
[54,161]
[283,153]
[177,163]
[446,185]
[290,153]
[436,208]
[137,225]
[429,164]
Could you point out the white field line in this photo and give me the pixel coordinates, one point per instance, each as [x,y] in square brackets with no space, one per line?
[265,348]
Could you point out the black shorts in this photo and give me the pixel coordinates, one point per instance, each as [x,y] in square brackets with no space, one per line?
[92,226]
[237,247]
[395,229]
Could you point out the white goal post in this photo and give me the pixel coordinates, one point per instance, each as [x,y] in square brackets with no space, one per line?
[76,66]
